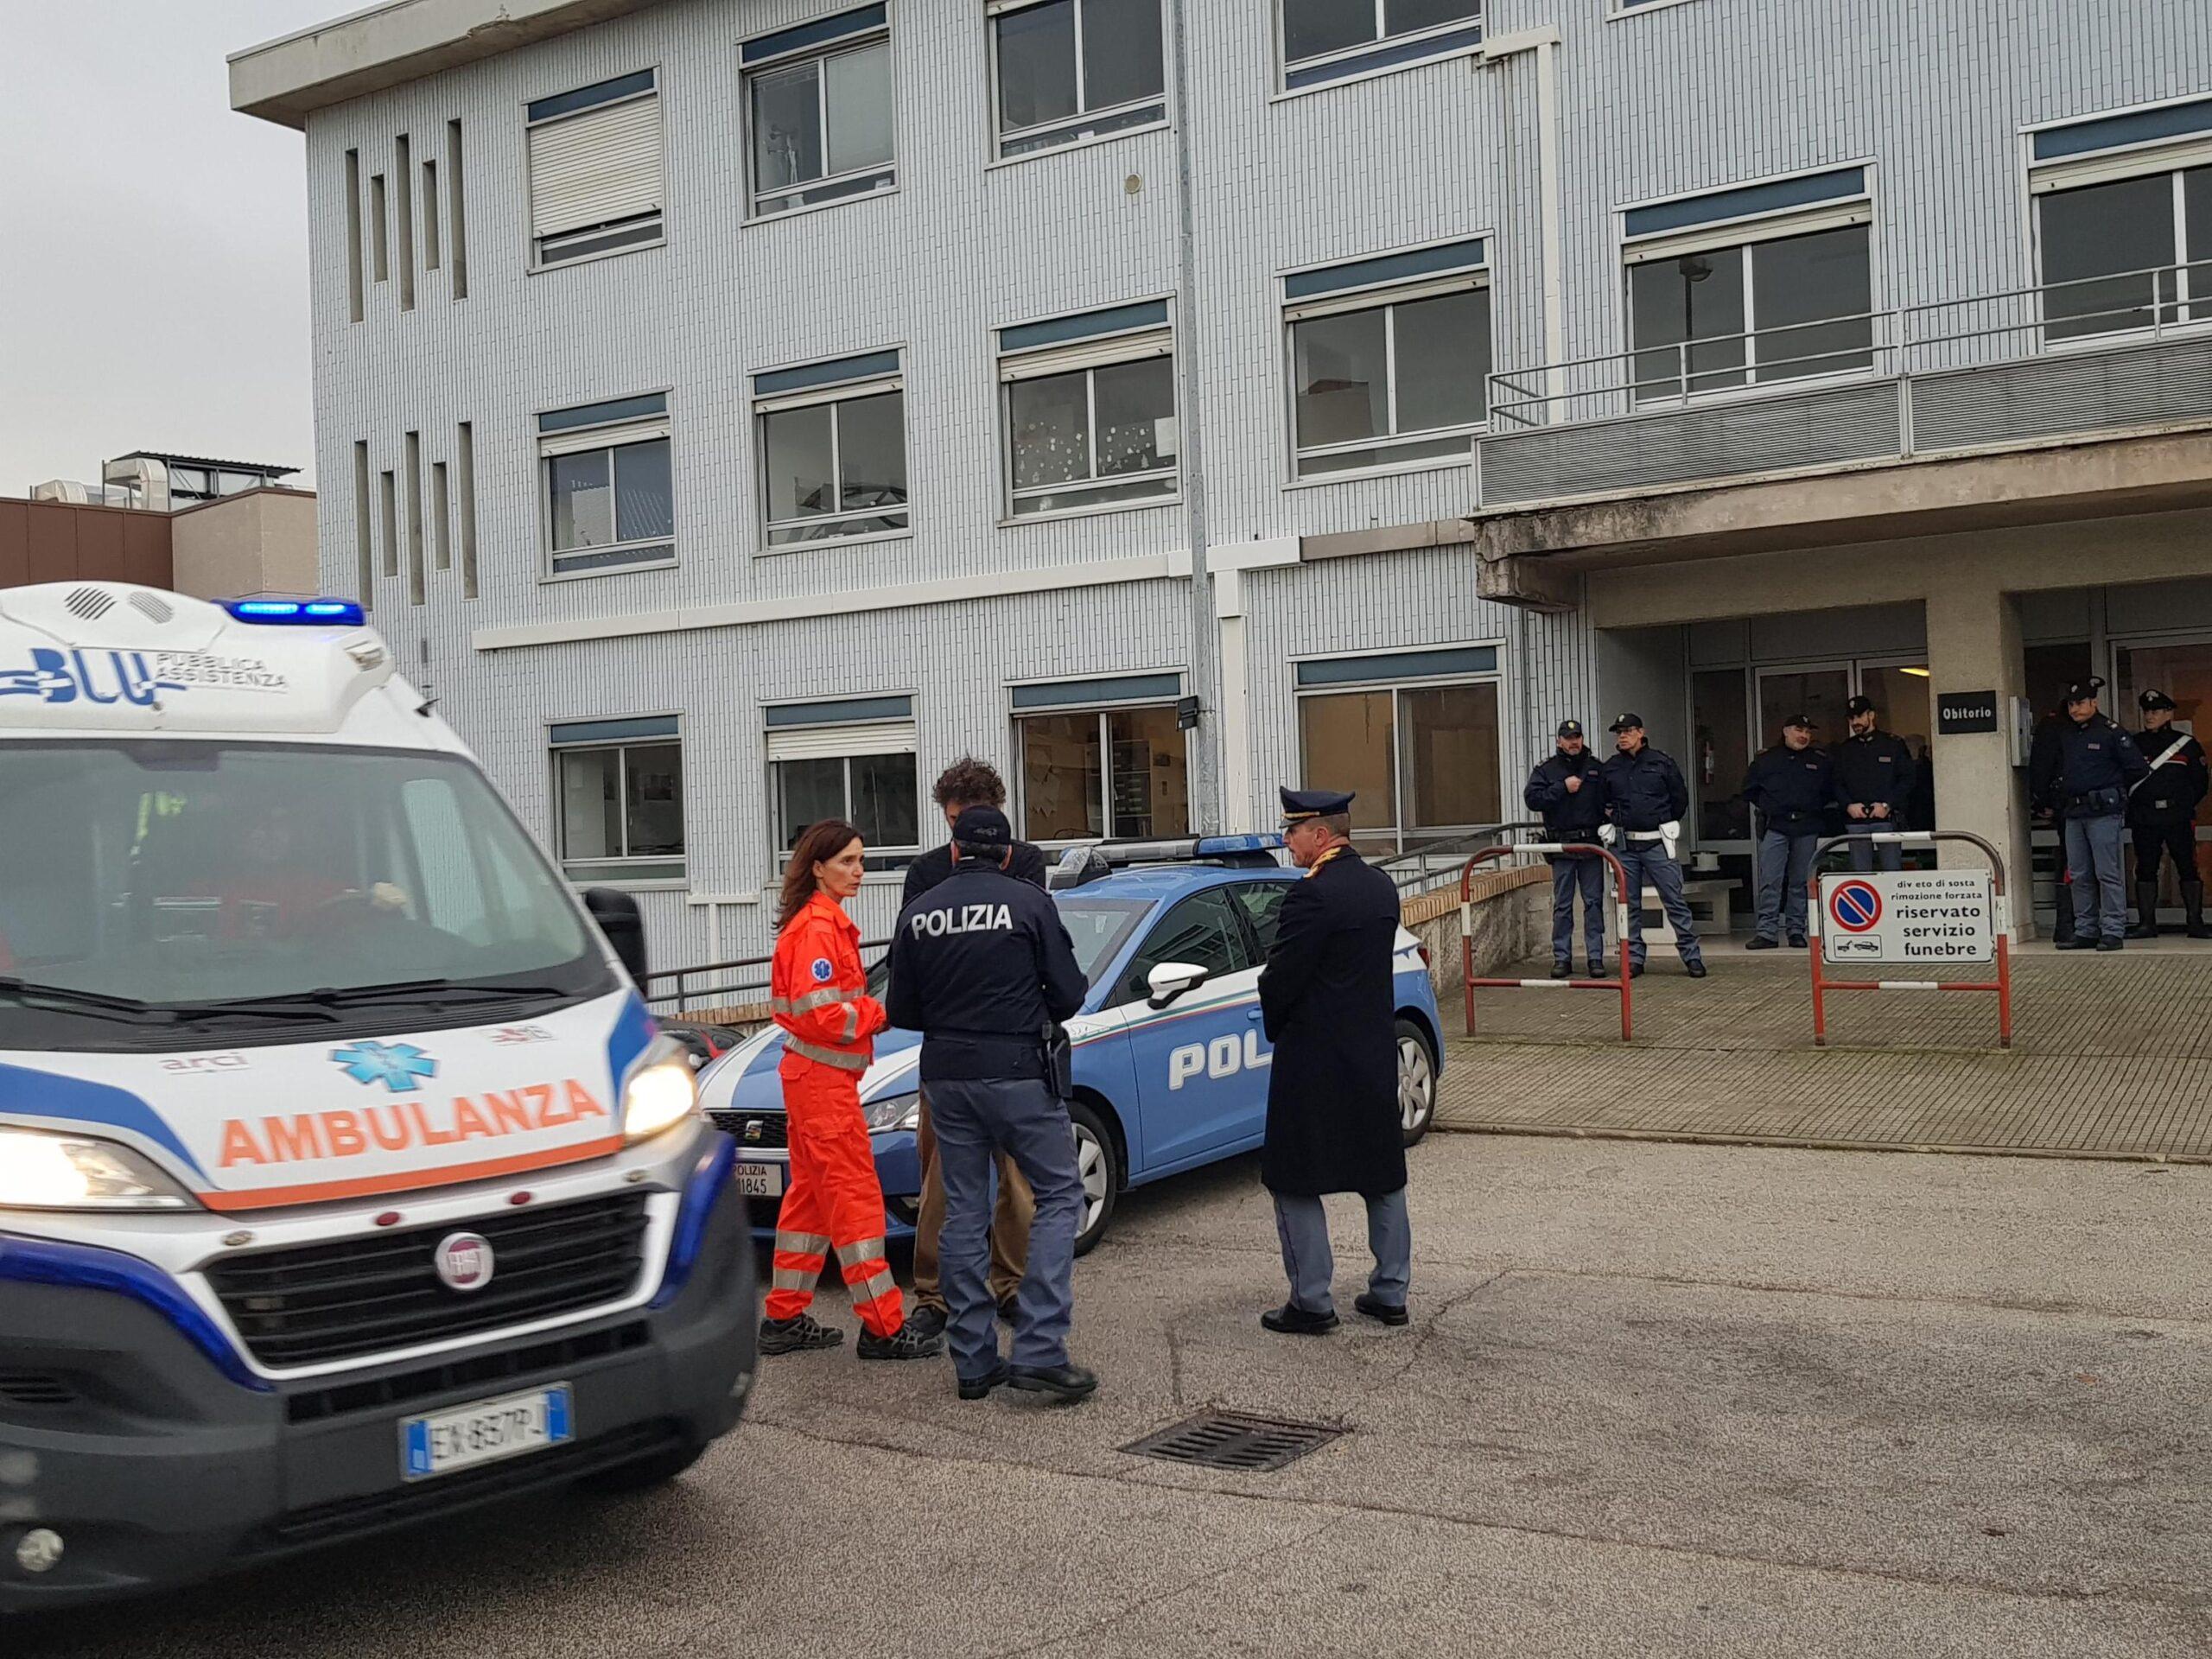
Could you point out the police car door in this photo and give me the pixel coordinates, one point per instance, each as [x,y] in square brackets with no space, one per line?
[1201,1059]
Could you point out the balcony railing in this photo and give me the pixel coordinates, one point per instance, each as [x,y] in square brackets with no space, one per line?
[2103,354]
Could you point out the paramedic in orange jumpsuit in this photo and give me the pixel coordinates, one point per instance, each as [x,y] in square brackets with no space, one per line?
[819,992]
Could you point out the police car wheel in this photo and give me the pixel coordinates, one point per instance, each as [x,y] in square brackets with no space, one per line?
[1416,1081]
[1100,1168]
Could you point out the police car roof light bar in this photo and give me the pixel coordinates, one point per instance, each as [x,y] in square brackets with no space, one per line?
[1078,865]
[297,612]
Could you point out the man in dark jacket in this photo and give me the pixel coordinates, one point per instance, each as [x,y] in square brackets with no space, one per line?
[2162,813]
[1568,792]
[1645,799]
[1790,785]
[2086,776]
[1873,782]
[1327,997]
[982,967]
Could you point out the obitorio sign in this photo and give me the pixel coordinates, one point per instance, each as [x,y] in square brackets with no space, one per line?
[1961,712]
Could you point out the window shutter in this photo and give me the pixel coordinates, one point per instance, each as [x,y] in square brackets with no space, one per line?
[1088,354]
[595,167]
[833,743]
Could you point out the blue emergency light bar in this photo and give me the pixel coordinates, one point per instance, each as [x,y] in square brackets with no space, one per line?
[1214,846]
[298,613]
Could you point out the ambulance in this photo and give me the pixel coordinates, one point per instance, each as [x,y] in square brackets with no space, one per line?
[343,1179]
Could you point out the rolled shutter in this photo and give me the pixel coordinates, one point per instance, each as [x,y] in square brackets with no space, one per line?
[595,167]
[833,743]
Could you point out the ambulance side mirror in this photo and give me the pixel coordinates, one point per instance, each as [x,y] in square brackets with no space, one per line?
[1171,980]
[616,913]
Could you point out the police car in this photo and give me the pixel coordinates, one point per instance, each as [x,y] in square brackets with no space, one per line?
[1171,1063]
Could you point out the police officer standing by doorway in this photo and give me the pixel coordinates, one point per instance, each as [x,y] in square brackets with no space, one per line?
[1645,799]
[982,967]
[1790,785]
[1873,782]
[2162,813]
[1568,792]
[2086,775]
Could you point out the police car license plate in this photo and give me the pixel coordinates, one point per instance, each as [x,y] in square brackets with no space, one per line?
[760,1181]
[486,1431]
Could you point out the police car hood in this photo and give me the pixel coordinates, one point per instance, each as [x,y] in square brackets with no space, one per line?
[252,1128]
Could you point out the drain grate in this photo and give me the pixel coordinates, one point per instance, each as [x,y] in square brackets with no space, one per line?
[1229,1439]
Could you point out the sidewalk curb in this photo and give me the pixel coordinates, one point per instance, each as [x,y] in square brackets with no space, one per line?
[1803,1143]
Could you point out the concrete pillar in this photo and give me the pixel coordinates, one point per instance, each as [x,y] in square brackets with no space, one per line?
[1974,644]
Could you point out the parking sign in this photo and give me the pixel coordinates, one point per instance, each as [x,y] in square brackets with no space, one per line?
[1909,916]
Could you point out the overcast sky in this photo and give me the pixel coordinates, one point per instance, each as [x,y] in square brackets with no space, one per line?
[153,245]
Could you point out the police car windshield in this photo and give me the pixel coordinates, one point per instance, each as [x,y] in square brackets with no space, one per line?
[1097,927]
[169,874]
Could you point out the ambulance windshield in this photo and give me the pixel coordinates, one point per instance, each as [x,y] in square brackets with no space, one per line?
[148,886]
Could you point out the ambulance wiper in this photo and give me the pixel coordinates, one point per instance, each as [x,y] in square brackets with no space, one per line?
[431,991]
[31,993]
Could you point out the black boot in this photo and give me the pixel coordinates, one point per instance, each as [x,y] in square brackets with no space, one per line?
[2062,926]
[2146,912]
[2192,899]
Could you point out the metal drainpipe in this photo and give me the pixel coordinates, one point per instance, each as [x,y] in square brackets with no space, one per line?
[1205,765]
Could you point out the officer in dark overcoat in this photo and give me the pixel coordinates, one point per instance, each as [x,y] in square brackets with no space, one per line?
[1334,1116]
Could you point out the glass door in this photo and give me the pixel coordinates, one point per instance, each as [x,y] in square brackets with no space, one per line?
[2183,670]
[1899,690]
[1820,691]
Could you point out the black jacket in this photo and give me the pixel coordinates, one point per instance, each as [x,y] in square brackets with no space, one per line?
[2087,769]
[982,967]
[1644,790]
[2169,795]
[1875,770]
[1331,1010]
[936,864]
[1568,815]
[1792,788]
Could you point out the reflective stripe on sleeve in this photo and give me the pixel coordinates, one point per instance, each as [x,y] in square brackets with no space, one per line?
[852,1021]
[822,1056]
[813,1000]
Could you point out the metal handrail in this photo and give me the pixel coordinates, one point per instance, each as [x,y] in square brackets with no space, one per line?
[684,995]
[1452,849]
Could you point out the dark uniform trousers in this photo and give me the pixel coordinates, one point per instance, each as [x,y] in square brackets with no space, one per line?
[1010,1222]
[1585,874]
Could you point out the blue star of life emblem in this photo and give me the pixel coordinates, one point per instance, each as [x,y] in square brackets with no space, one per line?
[395,1065]
[822,970]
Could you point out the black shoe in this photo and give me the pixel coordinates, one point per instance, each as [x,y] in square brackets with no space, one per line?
[1636,970]
[2079,942]
[1009,1308]
[1596,971]
[1694,969]
[1067,1382]
[2112,944]
[1760,942]
[904,1343]
[1562,970]
[1292,1320]
[924,1320]
[1796,941]
[978,1387]
[793,1336]
[1380,1311]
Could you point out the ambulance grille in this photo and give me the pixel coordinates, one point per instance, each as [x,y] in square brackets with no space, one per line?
[153,607]
[88,604]
[361,1296]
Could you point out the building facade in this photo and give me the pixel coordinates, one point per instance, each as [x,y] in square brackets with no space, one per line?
[734,410]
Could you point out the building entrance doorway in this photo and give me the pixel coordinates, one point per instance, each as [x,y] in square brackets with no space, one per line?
[1896,687]
[2181,668]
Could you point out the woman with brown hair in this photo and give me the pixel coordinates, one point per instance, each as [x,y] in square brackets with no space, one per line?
[819,993]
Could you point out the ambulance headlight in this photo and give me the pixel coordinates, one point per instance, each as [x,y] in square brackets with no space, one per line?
[894,1112]
[41,1170]
[661,1093]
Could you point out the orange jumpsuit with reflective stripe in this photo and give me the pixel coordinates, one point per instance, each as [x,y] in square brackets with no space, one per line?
[819,994]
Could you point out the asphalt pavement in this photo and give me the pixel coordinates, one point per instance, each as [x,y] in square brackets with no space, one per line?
[1655,1400]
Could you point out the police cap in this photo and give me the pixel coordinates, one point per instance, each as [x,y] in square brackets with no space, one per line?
[1626,723]
[1299,804]
[982,826]
[1570,728]
[2154,700]
[1805,720]
[2085,690]
[1860,706]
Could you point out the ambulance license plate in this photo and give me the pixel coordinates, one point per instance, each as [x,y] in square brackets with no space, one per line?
[484,1433]
[760,1181]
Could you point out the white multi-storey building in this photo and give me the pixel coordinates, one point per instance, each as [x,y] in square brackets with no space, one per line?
[737,409]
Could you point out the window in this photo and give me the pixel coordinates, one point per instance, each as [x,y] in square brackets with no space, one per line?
[596,182]
[364,571]
[1262,902]
[429,215]
[1767,283]
[2124,233]
[1390,358]
[464,461]
[457,211]
[1201,931]
[379,229]
[833,450]
[402,179]
[1416,740]
[1108,762]
[617,789]
[1090,411]
[821,111]
[607,495]
[1068,70]
[850,758]
[1323,40]
[353,234]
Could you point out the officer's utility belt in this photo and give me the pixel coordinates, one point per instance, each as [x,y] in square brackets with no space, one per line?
[1647,834]
[2096,803]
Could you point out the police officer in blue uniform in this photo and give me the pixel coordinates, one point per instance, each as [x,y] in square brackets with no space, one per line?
[1645,799]
[2162,813]
[1568,792]
[1790,786]
[1874,776]
[2085,777]
[982,967]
